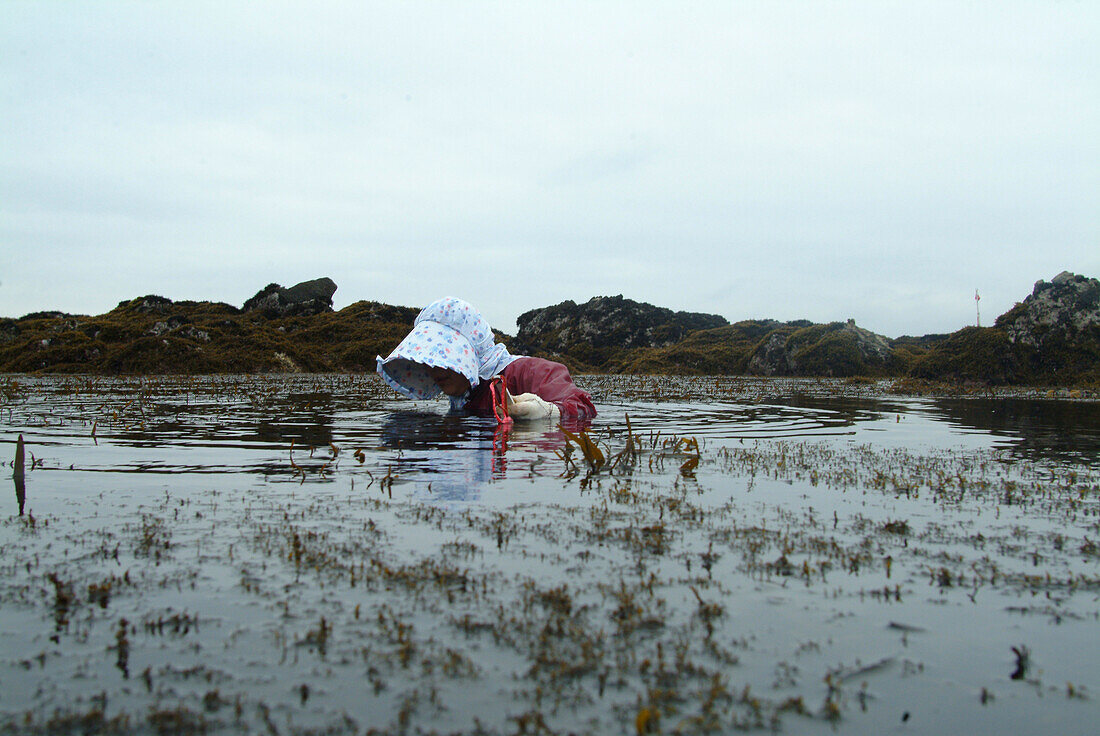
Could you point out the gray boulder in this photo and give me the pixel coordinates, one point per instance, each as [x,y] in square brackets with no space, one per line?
[607,323]
[304,299]
[872,346]
[835,349]
[772,357]
[1065,308]
[148,304]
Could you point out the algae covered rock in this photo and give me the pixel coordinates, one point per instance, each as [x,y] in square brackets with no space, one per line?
[148,304]
[9,330]
[1053,336]
[772,357]
[157,335]
[835,349]
[981,354]
[717,351]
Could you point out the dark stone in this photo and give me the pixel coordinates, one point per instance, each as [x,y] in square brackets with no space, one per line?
[304,299]
[607,322]
[148,304]
[267,295]
[214,306]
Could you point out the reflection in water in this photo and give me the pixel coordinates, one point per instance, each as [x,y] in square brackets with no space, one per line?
[307,431]
[1057,430]
[271,426]
[20,491]
[17,475]
[275,567]
[800,417]
[405,430]
[846,411]
[460,455]
[454,454]
[304,418]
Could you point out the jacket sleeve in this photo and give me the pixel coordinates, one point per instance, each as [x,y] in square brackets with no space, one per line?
[551,382]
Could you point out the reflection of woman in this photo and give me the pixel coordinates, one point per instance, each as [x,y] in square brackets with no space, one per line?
[451,349]
[454,454]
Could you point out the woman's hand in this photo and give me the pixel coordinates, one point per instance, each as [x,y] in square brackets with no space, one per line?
[530,406]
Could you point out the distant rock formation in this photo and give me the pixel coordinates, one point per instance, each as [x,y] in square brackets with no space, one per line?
[285,330]
[1052,337]
[300,300]
[835,349]
[606,324]
[772,357]
[1066,308]
[148,304]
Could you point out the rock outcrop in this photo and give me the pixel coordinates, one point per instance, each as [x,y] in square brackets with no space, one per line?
[300,300]
[1067,308]
[148,304]
[835,349]
[772,357]
[153,334]
[605,325]
[1052,337]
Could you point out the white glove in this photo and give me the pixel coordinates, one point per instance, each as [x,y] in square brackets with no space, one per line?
[530,406]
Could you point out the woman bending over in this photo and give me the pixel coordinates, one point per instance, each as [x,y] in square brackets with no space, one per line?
[451,349]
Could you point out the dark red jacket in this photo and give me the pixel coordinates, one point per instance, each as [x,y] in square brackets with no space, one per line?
[546,379]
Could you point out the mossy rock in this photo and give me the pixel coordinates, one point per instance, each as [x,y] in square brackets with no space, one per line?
[717,351]
[972,354]
[833,354]
[153,334]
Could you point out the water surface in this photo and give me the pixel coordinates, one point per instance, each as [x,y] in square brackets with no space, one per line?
[296,554]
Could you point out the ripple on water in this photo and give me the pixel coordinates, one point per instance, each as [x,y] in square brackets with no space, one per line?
[296,553]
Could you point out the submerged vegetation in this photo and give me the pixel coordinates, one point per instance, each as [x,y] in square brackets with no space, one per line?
[302,554]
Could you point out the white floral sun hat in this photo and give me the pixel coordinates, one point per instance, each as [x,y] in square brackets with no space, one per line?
[448,333]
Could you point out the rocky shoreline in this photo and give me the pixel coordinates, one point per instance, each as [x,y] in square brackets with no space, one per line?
[1052,337]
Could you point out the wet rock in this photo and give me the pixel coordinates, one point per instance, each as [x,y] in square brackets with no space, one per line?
[303,299]
[1067,308]
[606,323]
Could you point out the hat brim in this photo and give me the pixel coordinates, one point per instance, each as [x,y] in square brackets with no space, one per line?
[428,345]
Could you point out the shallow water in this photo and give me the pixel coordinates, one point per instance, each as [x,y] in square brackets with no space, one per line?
[296,554]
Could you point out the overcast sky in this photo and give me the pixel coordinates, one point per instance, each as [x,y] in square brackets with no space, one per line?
[820,160]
